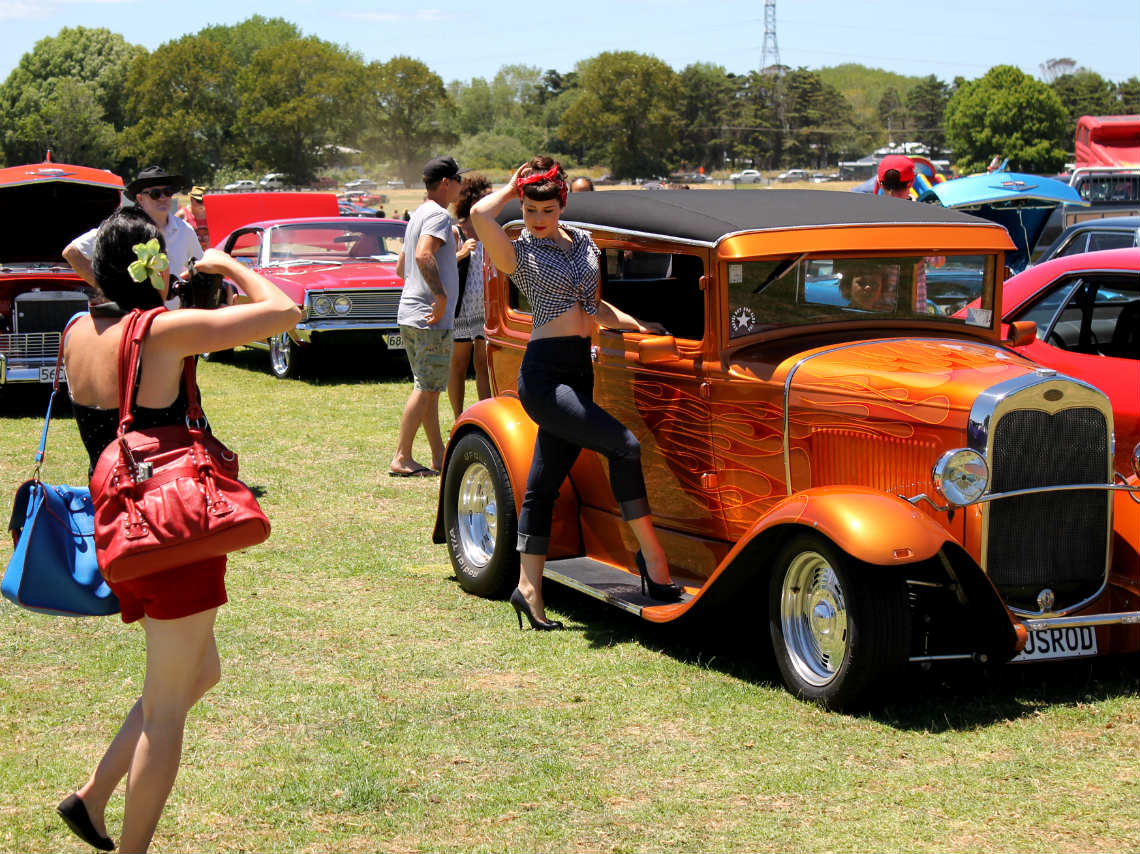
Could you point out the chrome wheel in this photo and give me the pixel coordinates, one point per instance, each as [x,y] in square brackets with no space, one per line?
[478,515]
[282,356]
[813,618]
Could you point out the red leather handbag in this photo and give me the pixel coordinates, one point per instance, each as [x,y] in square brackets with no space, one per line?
[167,496]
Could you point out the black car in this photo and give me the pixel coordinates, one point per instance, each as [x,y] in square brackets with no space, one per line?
[1091,235]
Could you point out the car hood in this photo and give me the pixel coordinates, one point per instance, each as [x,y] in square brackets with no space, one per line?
[48,204]
[1022,204]
[228,211]
[312,277]
[927,381]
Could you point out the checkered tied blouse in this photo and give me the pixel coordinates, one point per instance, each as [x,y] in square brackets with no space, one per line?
[554,280]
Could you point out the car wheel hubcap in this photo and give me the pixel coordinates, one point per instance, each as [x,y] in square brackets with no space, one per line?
[280,353]
[813,618]
[478,515]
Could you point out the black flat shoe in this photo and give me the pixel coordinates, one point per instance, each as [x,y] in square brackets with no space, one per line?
[521,607]
[74,814]
[670,592]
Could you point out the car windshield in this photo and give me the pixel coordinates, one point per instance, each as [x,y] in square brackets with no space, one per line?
[798,291]
[332,243]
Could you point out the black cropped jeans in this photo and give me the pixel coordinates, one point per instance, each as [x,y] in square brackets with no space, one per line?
[556,387]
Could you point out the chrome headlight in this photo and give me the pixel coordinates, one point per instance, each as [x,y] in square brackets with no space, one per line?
[342,305]
[1136,459]
[961,476]
[322,305]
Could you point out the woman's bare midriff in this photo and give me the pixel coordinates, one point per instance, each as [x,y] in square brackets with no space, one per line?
[573,321]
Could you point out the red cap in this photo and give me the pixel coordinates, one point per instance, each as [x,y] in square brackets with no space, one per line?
[903,165]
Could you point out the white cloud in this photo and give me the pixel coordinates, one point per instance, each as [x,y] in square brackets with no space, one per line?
[13,10]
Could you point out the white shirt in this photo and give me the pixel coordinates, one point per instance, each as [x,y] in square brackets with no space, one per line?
[181,245]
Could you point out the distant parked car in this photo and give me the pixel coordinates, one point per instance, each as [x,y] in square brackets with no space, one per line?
[360,184]
[1093,235]
[793,175]
[274,181]
[241,187]
[747,176]
[396,184]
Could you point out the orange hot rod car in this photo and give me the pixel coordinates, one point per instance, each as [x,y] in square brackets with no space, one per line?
[833,428]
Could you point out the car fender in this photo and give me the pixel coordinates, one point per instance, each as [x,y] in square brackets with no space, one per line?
[506,425]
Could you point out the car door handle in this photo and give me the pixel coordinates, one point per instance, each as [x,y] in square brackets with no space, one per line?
[594,353]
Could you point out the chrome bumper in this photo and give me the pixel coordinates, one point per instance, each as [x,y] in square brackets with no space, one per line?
[1120,618]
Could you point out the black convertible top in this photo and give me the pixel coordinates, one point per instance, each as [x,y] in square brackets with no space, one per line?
[707,216]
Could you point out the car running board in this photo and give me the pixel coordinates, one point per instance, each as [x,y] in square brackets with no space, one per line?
[602,581]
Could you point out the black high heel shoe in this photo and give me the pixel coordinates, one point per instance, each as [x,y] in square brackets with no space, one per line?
[670,592]
[521,607]
[74,814]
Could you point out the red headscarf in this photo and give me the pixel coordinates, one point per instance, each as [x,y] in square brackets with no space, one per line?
[550,175]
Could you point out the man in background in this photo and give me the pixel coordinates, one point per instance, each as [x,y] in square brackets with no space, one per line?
[430,272]
[194,215]
[581,184]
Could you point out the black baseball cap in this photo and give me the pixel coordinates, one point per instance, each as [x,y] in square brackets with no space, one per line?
[439,168]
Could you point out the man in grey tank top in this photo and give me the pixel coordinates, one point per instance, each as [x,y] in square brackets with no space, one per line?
[426,313]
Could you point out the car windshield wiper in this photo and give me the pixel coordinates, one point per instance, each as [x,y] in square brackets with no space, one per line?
[779,271]
[290,262]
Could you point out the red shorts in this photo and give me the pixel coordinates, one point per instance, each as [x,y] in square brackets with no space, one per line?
[173,593]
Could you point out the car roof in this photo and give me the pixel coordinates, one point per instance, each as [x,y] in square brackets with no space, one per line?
[1025,284]
[708,216]
[1123,223]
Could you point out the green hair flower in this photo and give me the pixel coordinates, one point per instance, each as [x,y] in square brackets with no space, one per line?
[151,264]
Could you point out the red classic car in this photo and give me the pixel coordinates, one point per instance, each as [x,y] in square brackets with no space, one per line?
[341,271]
[45,206]
[877,484]
[1087,311]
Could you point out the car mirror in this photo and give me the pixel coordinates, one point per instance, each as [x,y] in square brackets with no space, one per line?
[1022,332]
[657,348]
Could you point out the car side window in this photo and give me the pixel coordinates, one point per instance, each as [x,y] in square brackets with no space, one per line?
[657,287]
[246,247]
[1075,246]
[1045,309]
[1110,240]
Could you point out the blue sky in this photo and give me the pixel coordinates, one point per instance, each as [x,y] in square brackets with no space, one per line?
[461,40]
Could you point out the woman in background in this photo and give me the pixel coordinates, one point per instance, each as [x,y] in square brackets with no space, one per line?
[468,340]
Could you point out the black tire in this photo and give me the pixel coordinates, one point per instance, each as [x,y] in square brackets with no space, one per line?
[479,518]
[285,358]
[216,356]
[840,629]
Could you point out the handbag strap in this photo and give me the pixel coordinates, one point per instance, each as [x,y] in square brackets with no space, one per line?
[130,367]
[54,390]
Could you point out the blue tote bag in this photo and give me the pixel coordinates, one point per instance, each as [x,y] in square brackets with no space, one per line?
[53,569]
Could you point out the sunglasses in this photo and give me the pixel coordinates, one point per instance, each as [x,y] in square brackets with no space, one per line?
[160,193]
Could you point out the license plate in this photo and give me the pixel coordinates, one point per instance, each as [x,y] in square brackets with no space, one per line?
[1049,644]
[47,375]
[394,340]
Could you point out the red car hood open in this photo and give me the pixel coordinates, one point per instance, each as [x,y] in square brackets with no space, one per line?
[46,205]
[227,211]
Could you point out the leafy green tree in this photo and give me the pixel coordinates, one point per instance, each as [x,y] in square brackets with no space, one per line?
[299,100]
[405,114]
[708,96]
[1128,94]
[1086,93]
[35,100]
[474,110]
[625,113]
[241,41]
[758,130]
[182,104]
[816,115]
[926,103]
[489,150]
[892,115]
[1006,112]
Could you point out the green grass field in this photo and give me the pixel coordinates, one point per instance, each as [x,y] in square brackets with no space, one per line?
[368,704]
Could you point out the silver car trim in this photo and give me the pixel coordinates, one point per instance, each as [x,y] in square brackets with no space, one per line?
[1120,618]
[997,496]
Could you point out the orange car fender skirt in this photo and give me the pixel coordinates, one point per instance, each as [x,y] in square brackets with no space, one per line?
[506,425]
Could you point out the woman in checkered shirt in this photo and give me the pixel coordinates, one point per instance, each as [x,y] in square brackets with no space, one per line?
[557,267]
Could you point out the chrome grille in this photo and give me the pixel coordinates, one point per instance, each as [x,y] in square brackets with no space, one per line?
[1057,539]
[30,348]
[366,305]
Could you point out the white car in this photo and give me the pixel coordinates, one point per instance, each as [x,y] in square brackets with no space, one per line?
[274,181]
[360,184]
[240,187]
[747,176]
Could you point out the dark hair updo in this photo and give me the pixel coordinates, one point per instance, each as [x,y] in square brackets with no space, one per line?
[115,251]
[544,190]
[475,186]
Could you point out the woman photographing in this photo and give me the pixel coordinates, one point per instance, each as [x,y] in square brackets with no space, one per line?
[176,607]
[557,267]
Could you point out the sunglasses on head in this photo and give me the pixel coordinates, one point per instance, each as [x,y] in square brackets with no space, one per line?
[157,193]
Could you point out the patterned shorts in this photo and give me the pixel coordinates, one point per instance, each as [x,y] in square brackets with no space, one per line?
[429,354]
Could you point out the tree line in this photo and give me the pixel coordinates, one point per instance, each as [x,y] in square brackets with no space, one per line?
[260,96]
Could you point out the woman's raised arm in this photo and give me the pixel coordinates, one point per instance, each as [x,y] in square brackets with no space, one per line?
[496,244]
